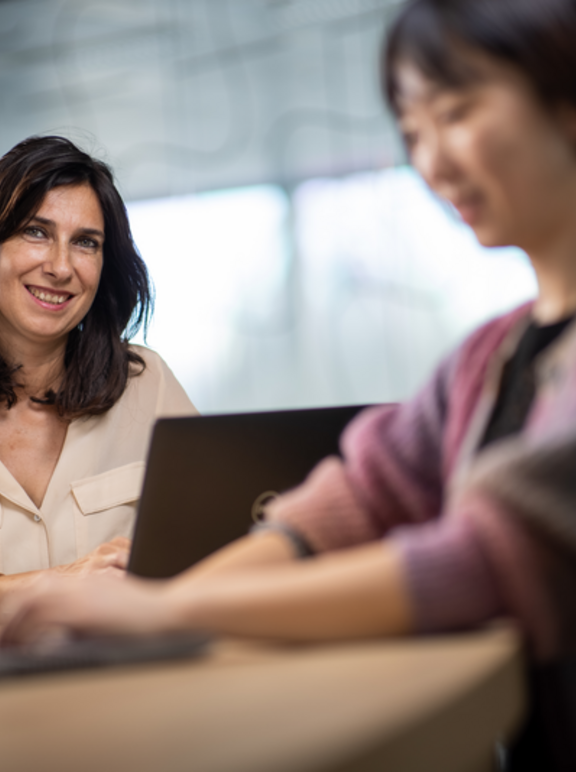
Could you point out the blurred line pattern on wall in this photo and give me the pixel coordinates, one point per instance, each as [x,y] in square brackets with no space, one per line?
[296,260]
[190,95]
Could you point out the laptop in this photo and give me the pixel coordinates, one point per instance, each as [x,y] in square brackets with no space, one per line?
[208,478]
[49,656]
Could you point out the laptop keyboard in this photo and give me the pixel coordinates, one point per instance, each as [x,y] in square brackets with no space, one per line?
[99,652]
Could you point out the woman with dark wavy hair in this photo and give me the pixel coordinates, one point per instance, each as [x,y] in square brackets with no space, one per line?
[77,401]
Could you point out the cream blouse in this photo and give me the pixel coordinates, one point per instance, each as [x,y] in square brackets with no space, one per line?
[95,487]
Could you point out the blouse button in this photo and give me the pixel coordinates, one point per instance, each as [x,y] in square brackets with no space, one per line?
[37,518]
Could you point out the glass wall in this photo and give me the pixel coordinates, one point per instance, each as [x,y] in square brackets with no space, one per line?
[342,290]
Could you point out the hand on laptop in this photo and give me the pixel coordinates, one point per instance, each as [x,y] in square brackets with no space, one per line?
[110,558]
[87,606]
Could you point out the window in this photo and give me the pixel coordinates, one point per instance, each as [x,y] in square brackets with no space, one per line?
[349,291]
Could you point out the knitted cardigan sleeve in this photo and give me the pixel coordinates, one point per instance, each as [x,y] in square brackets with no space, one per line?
[395,459]
[505,543]
[495,549]
[390,473]
[507,538]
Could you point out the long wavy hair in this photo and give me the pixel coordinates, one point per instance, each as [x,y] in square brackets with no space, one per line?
[98,360]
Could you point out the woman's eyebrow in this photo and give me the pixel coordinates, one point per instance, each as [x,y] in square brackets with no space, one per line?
[51,223]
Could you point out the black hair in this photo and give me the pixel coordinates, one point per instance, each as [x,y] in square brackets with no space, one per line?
[98,360]
[536,36]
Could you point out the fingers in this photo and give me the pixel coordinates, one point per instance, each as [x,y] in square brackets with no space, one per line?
[84,597]
[113,559]
[113,571]
[121,560]
[118,545]
[60,604]
[114,553]
[122,541]
[119,541]
[89,605]
[33,613]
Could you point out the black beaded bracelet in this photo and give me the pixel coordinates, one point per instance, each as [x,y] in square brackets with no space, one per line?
[301,546]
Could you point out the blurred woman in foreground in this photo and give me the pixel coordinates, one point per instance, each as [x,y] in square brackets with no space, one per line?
[77,402]
[459,505]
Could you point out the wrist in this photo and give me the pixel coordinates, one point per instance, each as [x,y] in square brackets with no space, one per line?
[185,604]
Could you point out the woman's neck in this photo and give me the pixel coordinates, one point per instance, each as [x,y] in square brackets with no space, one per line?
[555,267]
[40,365]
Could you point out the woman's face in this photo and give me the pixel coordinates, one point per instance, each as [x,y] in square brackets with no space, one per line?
[50,269]
[491,148]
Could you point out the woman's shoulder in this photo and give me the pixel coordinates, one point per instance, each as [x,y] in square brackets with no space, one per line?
[467,365]
[151,358]
[158,384]
[493,332]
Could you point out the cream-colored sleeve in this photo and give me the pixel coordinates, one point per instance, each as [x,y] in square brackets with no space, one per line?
[172,400]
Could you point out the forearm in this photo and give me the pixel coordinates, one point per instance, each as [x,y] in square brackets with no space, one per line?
[355,593]
[263,549]
[12,582]
[110,557]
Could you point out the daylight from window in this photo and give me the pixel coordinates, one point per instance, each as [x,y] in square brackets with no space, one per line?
[348,290]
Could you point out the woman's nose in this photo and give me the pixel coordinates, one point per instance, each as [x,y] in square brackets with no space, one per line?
[59,262]
[432,160]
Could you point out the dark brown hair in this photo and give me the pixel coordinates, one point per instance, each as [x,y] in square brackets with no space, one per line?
[98,360]
[537,36]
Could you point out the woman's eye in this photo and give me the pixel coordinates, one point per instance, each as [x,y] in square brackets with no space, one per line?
[34,232]
[410,139]
[87,243]
[454,114]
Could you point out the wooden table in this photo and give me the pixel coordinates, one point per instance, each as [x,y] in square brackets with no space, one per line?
[428,705]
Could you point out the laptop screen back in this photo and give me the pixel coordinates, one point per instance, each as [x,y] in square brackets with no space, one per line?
[208,476]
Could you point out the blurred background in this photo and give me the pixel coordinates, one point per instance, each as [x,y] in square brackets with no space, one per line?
[297,260]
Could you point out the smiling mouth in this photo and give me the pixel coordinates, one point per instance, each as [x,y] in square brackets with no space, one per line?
[49,297]
[467,206]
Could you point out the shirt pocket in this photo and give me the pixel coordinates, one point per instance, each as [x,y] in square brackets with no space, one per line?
[106,505]
[109,490]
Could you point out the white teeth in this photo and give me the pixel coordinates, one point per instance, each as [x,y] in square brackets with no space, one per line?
[55,299]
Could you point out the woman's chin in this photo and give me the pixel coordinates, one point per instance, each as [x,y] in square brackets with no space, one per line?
[490,238]
[46,335]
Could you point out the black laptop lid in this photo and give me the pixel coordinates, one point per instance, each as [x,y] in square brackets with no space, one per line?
[207,476]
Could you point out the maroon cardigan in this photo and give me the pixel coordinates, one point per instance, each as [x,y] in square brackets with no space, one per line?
[480,533]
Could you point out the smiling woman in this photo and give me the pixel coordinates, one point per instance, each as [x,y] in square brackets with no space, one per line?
[77,402]
[52,265]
